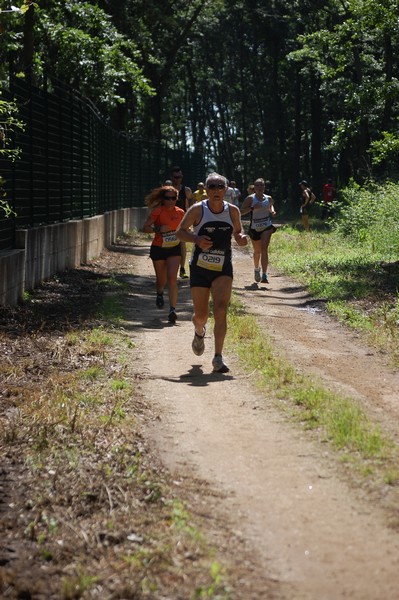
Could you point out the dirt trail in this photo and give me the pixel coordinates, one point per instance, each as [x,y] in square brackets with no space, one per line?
[310,534]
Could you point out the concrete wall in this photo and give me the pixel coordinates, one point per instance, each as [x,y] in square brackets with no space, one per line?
[43,251]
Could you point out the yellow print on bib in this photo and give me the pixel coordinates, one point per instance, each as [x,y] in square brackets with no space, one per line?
[169,240]
[210,261]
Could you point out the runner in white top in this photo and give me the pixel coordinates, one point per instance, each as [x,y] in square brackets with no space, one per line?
[261,227]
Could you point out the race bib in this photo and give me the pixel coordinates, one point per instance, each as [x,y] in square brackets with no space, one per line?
[169,239]
[212,261]
[261,224]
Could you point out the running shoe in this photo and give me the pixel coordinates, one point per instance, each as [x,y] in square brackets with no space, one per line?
[172,316]
[264,278]
[183,274]
[159,301]
[218,365]
[257,275]
[198,344]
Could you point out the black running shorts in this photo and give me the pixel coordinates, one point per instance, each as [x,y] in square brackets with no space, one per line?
[200,277]
[159,253]
[256,235]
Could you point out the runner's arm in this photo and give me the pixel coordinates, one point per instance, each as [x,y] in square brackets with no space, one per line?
[150,227]
[238,233]
[246,206]
[183,233]
[271,207]
[190,199]
[305,198]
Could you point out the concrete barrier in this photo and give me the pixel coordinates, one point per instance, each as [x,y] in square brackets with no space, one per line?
[12,276]
[41,252]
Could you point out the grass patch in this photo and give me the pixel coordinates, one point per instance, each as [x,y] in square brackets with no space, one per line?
[336,419]
[360,285]
[328,267]
[351,316]
[96,515]
[92,373]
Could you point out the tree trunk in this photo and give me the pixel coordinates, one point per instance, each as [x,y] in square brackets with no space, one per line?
[316,128]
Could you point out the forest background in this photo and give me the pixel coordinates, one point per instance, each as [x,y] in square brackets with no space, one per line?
[284,90]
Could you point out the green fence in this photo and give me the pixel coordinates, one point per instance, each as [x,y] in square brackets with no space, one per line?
[73,165]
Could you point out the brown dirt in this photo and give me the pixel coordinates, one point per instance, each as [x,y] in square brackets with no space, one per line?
[281,509]
[310,530]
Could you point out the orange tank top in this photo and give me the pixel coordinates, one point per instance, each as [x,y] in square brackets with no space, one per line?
[171,218]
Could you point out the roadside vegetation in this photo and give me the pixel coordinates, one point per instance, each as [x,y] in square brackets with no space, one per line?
[351,262]
[369,454]
[90,512]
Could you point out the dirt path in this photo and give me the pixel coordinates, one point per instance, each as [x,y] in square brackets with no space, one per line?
[310,534]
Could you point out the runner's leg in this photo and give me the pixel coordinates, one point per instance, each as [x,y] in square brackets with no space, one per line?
[264,242]
[221,294]
[200,297]
[172,267]
[160,274]
[183,254]
[256,246]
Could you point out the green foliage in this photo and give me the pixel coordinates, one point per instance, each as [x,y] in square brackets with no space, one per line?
[354,264]
[352,49]
[349,315]
[216,589]
[22,8]
[5,208]
[8,124]
[386,148]
[11,32]
[80,45]
[370,216]
[257,87]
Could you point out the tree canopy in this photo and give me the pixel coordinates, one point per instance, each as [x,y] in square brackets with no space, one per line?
[284,90]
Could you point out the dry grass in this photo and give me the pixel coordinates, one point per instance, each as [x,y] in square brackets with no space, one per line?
[87,511]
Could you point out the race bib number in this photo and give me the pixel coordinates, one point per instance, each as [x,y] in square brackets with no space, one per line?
[261,224]
[211,261]
[169,240]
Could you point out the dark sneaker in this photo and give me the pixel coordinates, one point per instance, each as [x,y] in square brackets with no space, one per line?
[257,275]
[264,278]
[182,273]
[159,301]
[198,344]
[172,316]
[218,365]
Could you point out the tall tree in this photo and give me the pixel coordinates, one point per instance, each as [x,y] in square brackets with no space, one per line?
[255,85]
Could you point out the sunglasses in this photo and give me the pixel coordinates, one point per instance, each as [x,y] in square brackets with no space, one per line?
[213,186]
[177,176]
[170,197]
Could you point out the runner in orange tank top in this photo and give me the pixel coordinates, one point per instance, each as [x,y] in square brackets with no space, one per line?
[165,252]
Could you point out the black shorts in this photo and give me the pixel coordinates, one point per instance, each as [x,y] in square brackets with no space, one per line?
[200,277]
[159,253]
[256,235]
